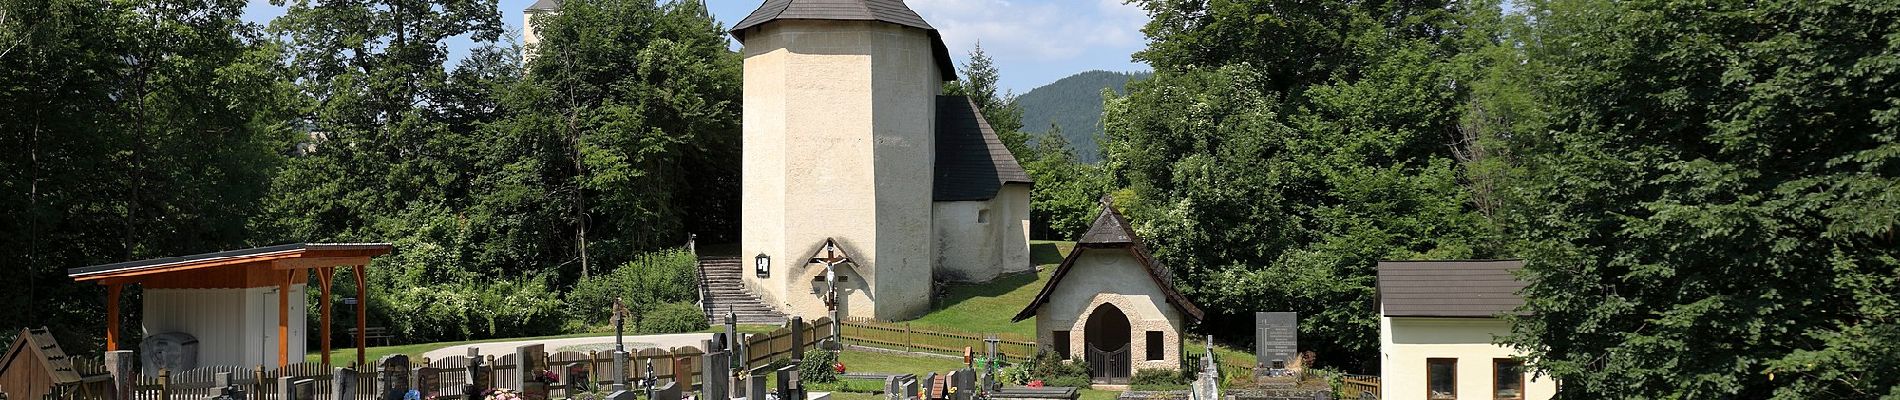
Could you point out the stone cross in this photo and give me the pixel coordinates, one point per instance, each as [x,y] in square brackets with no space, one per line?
[477,381]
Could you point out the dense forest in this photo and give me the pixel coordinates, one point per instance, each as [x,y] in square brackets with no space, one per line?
[1705,193]
[1074,105]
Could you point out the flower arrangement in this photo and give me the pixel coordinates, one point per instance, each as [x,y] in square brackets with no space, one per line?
[1035,383]
[839,367]
[501,394]
[546,377]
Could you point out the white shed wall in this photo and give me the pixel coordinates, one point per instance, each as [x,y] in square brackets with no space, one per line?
[233,326]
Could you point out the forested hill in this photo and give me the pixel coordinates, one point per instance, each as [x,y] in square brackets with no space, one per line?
[1075,104]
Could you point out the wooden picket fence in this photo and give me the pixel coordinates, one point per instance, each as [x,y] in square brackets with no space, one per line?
[762,349]
[902,336]
[1354,387]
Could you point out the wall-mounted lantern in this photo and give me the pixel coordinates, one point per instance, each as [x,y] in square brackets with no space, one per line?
[762,264]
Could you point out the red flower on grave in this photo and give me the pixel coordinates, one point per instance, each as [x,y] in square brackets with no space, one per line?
[839,367]
[1035,383]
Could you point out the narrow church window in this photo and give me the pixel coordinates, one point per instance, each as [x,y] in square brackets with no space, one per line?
[1062,344]
[982,216]
[1155,346]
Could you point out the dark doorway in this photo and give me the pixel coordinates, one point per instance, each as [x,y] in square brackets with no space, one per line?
[1107,337]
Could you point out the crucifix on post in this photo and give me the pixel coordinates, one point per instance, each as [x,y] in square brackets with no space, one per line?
[831,256]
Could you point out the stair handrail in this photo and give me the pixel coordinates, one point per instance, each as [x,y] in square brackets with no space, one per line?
[705,287]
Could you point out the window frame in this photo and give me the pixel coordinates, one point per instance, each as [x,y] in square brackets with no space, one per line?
[1428,376]
[1495,379]
[983,216]
[1157,346]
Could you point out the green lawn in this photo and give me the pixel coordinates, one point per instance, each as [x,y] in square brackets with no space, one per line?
[987,307]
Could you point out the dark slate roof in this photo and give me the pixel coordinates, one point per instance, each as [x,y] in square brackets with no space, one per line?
[545,5]
[1112,219]
[888,11]
[972,163]
[892,11]
[229,254]
[1109,228]
[1459,288]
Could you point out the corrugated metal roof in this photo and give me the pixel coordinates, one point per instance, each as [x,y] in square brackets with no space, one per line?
[888,11]
[229,254]
[972,162]
[1458,288]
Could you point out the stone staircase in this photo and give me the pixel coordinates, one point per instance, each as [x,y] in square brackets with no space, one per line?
[725,290]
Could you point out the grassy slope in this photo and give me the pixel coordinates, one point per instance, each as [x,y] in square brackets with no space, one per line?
[987,307]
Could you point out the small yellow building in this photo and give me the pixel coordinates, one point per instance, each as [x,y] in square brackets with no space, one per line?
[1111,303]
[1439,324]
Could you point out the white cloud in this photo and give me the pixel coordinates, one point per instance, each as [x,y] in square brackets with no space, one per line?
[1036,30]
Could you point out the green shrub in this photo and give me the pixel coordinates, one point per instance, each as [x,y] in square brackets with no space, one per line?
[1054,371]
[676,317]
[1014,374]
[817,367]
[1157,376]
[644,284]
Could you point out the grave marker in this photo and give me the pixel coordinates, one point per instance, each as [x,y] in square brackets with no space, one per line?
[1276,338]
[392,377]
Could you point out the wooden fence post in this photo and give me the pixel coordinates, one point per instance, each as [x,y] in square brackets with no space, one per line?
[164,384]
[906,336]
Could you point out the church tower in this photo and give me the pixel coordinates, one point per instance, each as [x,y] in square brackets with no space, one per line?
[840,120]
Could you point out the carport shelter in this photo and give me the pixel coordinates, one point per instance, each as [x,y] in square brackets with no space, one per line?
[1111,303]
[233,307]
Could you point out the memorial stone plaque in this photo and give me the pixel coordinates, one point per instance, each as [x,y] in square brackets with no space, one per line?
[428,381]
[576,378]
[392,377]
[669,391]
[963,384]
[899,387]
[1276,338]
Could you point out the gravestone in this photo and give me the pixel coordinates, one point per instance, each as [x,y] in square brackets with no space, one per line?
[529,365]
[962,384]
[575,378]
[291,388]
[176,351]
[342,383]
[930,389]
[392,377]
[1276,339]
[900,387]
[473,374]
[715,387]
[428,381]
[227,390]
[755,384]
[789,385]
[669,391]
[911,388]
[622,395]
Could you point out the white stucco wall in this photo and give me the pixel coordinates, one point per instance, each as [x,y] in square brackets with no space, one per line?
[233,326]
[838,132]
[1111,276]
[1406,343]
[972,251]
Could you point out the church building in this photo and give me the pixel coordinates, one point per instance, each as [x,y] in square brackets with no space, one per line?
[849,140]
[855,159]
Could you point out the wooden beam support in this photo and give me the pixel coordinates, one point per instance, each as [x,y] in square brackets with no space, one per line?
[362,300]
[324,277]
[318,262]
[112,316]
[283,320]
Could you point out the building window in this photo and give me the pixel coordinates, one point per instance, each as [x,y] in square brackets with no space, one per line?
[1441,378]
[1062,344]
[1507,379]
[1155,346]
[982,216]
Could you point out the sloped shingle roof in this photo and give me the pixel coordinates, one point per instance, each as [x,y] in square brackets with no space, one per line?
[1113,232]
[1460,288]
[972,163]
[888,11]
[545,5]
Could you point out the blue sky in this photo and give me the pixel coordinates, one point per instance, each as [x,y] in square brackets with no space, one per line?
[1033,42]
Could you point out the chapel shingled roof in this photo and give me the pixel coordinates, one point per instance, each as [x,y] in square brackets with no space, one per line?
[1112,231]
[1457,288]
[888,11]
[38,344]
[545,5]
[972,163]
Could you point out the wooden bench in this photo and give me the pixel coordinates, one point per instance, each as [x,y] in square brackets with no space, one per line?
[371,335]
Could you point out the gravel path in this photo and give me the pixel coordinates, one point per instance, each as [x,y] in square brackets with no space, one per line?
[581,344]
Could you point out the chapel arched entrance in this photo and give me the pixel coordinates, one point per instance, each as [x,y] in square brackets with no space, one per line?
[1107,344]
